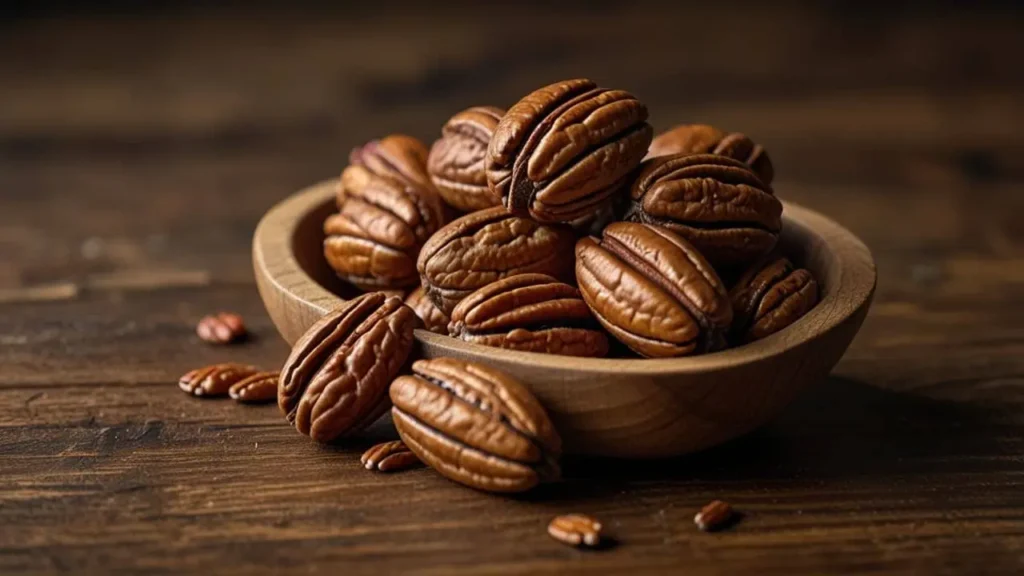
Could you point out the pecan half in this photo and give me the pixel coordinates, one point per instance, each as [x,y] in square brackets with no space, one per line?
[433,318]
[704,139]
[576,530]
[258,388]
[387,208]
[389,457]
[215,380]
[562,150]
[456,161]
[770,296]
[475,425]
[653,291]
[221,328]
[715,202]
[489,245]
[530,312]
[716,515]
[335,380]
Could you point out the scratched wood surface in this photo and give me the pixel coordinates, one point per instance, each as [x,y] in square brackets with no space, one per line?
[138,151]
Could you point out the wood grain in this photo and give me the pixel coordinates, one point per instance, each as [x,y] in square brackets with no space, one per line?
[137,154]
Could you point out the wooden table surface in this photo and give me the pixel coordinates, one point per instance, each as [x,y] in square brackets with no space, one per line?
[138,152]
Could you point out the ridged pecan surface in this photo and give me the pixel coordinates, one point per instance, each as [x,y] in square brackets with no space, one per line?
[769,297]
[457,160]
[704,139]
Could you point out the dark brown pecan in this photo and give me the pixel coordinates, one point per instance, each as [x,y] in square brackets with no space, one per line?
[215,380]
[770,296]
[335,380]
[387,208]
[489,245]
[456,161]
[433,318]
[561,151]
[475,425]
[222,328]
[576,530]
[715,202]
[715,516]
[529,312]
[653,291]
[389,457]
[256,389]
[704,139]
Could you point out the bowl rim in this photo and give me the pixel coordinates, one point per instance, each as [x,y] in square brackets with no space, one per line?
[845,295]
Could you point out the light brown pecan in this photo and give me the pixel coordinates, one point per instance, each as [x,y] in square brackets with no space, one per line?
[704,139]
[562,150]
[390,457]
[489,245]
[770,296]
[221,328]
[387,208]
[714,516]
[529,312]
[653,291]
[215,380]
[433,318]
[456,161]
[475,425]
[576,530]
[256,389]
[335,380]
[715,202]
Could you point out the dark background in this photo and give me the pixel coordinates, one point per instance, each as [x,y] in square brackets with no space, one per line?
[140,144]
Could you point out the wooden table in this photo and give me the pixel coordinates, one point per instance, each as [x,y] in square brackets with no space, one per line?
[137,154]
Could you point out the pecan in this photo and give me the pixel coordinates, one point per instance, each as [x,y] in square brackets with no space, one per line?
[770,296]
[576,530]
[475,425]
[530,312]
[221,328]
[704,139]
[456,161]
[433,318]
[714,516]
[387,208]
[653,291]
[335,380]
[715,202]
[215,380]
[389,457]
[258,388]
[489,245]
[562,150]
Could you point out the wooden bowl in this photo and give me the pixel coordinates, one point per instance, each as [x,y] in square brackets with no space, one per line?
[632,408]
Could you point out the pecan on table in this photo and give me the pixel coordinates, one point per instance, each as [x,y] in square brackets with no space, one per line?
[489,245]
[387,208]
[770,296]
[704,139]
[529,312]
[221,328]
[576,530]
[475,425]
[256,389]
[215,380]
[715,202]
[653,291]
[456,161]
[433,318]
[335,380]
[564,149]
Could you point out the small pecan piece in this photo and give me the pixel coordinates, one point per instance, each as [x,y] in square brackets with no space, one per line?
[562,150]
[215,380]
[221,328]
[714,516]
[653,291]
[704,139]
[387,208]
[475,425]
[715,202]
[335,380]
[770,296]
[433,318]
[489,245]
[456,161]
[530,312]
[390,457]
[576,530]
[258,388]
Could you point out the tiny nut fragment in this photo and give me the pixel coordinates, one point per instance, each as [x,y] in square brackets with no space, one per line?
[714,516]
[457,159]
[434,319]
[215,380]
[256,389]
[576,530]
[704,139]
[389,457]
[221,328]
[475,425]
[770,296]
